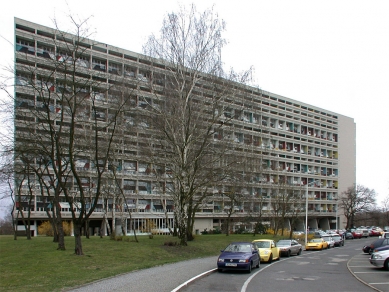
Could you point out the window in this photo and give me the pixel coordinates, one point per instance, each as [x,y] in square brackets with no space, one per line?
[99,65]
[114,68]
[45,51]
[25,46]
[129,71]
[82,61]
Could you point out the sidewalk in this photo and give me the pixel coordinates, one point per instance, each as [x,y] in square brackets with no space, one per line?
[162,278]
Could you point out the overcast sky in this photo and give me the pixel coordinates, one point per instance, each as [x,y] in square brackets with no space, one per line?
[333,54]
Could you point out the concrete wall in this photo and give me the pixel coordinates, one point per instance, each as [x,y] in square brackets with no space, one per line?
[201,224]
[347,158]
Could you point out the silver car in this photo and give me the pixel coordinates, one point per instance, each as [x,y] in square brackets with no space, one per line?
[380,259]
[329,240]
[289,247]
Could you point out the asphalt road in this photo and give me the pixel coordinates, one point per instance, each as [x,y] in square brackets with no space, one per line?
[338,269]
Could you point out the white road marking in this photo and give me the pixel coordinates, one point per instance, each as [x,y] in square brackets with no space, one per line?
[244,287]
[192,279]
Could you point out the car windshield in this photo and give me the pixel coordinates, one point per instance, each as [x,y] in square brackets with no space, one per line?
[263,244]
[283,243]
[237,247]
[336,237]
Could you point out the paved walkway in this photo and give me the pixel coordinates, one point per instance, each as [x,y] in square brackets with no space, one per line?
[162,278]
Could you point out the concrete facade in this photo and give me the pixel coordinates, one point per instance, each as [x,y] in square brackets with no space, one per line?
[297,144]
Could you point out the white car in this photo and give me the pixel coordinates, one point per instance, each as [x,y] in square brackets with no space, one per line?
[380,259]
[385,235]
[329,240]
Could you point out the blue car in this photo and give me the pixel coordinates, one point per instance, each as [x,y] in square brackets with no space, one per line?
[238,256]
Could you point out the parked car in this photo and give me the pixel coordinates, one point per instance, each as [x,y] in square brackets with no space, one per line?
[365,232]
[329,240]
[338,240]
[318,233]
[268,251]
[375,231]
[316,243]
[348,235]
[356,233]
[341,231]
[238,256]
[377,243]
[331,232]
[380,259]
[289,247]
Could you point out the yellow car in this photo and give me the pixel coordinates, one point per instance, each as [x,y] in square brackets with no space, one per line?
[316,243]
[268,251]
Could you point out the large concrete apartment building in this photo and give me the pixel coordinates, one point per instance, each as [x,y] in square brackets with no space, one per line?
[299,145]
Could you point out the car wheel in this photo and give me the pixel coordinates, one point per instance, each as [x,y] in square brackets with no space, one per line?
[386,264]
[299,252]
[288,254]
[257,266]
[270,258]
[250,268]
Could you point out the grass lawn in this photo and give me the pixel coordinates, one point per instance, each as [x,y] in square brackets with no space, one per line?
[36,265]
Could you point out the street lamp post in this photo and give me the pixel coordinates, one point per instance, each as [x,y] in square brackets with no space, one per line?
[306,214]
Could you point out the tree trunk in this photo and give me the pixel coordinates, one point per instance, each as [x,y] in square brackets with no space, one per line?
[101,228]
[60,235]
[55,230]
[77,238]
[189,224]
[183,235]
[113,217]
[26,224]
[175,228]
[87,229]
[14,225]
[52,222]
[123,223]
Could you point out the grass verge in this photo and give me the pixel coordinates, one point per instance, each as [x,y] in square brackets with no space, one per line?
[36,265]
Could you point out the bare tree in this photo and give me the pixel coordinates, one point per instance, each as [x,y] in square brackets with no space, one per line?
[286,205]
[233,200]
[64,127]
[185,122]
[297,208]
[385,210]
[355,200]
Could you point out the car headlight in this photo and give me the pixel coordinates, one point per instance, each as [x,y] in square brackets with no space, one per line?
[266,252]
[243,261]
[376,256]
[220,260]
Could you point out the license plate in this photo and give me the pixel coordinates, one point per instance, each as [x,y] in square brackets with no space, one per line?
[230,265]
